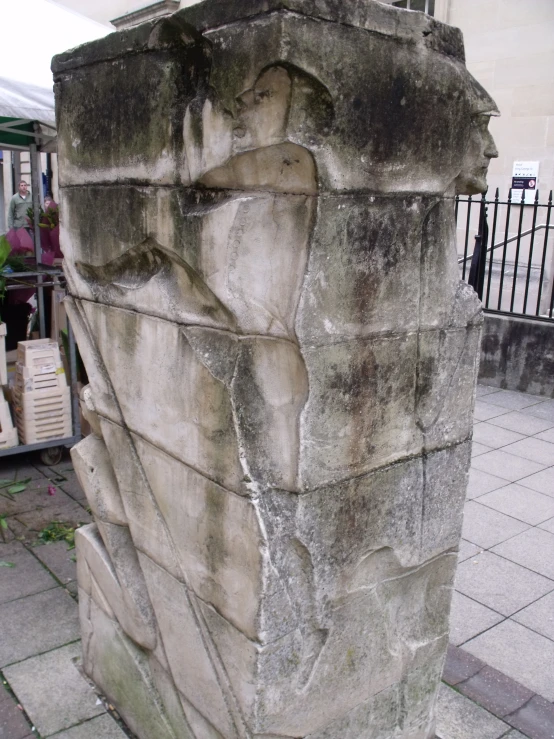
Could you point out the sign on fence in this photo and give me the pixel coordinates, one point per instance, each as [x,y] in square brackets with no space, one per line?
[525,180]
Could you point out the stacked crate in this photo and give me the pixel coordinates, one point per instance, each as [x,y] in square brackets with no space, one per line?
[8,433]
[41,395]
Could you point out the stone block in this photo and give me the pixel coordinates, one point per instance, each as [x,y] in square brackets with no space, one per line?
[121,670]
[197,422]
[359,414]
[155,67]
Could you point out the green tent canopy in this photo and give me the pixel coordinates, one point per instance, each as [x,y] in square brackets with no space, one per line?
[26,115]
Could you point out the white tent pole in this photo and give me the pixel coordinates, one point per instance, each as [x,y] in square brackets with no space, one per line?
[36,184]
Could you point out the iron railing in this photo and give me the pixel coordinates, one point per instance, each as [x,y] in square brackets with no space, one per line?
[510,264]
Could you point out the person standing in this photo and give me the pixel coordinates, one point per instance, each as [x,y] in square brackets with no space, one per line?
[17,211]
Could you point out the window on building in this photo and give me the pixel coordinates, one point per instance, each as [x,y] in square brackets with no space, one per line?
[425,6]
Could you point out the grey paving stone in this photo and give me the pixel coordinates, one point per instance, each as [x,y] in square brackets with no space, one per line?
[548,525]
[534,449]
[542,482]
[469,618]
[500,584]
[467,550]
[102,727]
[522,423]
[494,436]
[486,527]
[12,721]
[483,390]
[536,719]
[543,410]
[496,692]
[28,525]
[485,411]
[35,497]
[546,435]
[23,471]
[26,577]
[521,654]
[460,665]
[477,449]
[482,482]
[509,466]
[533,548]
[72,487]
[52,690]
[460,718]
[539,616]
[10,547]
[514,401]
[519,502]
[36,624]
[61,560]
[515,735]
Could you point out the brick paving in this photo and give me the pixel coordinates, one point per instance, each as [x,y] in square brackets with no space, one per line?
[499,673]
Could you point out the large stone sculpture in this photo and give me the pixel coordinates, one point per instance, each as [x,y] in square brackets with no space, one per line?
[260,252]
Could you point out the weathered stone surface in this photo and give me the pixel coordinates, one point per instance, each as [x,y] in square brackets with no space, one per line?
[281,358]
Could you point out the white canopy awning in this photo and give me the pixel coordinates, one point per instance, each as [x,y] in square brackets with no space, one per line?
[34,31]
[21,100]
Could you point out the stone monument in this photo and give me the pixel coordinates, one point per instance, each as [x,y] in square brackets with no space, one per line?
[258,225]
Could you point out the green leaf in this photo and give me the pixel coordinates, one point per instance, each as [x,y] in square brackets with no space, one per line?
[6,564]
[3,523]
[5,483]
[19,488]
[5,249]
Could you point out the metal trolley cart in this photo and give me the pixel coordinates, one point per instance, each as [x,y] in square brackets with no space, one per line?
[51,450]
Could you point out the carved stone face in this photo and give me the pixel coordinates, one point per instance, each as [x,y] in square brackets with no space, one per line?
[263,110]
[481,149]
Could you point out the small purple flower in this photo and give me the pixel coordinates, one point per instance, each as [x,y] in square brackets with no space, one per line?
[51,490]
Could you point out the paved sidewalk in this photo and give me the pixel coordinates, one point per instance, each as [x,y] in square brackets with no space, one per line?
[502,622]
[499,676]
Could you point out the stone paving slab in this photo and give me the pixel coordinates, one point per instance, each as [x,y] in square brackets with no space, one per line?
[543,410]
[37,623]
[542,482]
[535,718]
[486,527]
[25,576]
[519,653]
[520,502]
[533,549]
[460,718]
[499,584]
[510,466]
[53,691]
[548,525]
[485,411]
[546,435]
[534,449]
[469,618]
[482,482]
[497,693]
[28,525]
[59,559]
[495,436]
[477,449]
[467,550]
[13,724]
[103,727]
[513,401]
[523,423]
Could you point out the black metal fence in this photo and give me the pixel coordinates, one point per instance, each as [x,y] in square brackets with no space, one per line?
[508,252]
